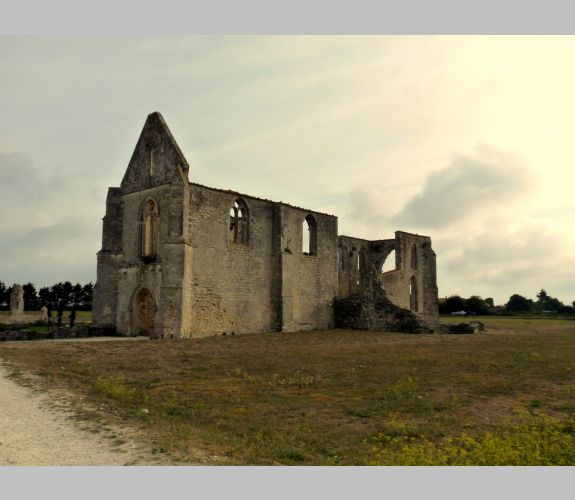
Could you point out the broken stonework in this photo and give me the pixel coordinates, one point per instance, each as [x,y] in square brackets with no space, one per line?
[179,259]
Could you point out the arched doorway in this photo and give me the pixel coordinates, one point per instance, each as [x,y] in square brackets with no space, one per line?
[143,313]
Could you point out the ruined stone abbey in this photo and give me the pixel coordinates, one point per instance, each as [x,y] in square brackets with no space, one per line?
[179,259]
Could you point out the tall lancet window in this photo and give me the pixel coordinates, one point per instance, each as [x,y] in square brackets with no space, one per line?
[149,230]
[309,236]
[239,222]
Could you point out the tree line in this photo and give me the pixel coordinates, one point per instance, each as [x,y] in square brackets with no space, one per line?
[544,304]
[57,297]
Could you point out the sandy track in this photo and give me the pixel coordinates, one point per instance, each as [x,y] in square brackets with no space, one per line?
[34,432]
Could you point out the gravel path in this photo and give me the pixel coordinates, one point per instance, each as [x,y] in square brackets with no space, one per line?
[38,430]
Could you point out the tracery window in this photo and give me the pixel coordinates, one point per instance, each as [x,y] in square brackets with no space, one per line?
[239,222]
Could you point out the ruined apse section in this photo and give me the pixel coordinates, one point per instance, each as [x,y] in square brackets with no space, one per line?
[411,283]
[145,242]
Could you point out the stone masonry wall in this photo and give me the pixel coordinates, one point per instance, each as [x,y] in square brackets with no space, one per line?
[397,283]
[359,259]
[309,282]
[232,284]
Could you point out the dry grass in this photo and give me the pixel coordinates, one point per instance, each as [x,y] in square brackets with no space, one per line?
[329,397]
[81,316]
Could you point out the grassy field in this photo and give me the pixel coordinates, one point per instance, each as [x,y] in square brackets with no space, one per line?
[503,397]
[81,316]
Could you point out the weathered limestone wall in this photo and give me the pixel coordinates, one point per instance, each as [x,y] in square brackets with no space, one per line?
[309,282]
[358,258]
[163,276]
[232,284]
[157,171]
[104,305]
[398,283]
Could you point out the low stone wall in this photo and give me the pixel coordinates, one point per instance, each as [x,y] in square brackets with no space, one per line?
[57,333]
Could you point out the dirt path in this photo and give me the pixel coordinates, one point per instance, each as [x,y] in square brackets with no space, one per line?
[38,430]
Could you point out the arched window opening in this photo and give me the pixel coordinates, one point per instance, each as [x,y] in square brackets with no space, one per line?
[413,302]
[309,236]
[149,224]
[239,221]
[414,257]
[389,263]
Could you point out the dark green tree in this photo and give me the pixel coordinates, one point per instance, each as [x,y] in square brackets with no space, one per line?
[553,304]
[88,293]
[3,295]
[518,303]
[547,303]
[476,304]
[30,297]
[542,296]
[454,303]
[62,294]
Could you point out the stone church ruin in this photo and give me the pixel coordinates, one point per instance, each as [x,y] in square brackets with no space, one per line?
[179,259]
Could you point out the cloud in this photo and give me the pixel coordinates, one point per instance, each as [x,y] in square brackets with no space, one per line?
[503,256]
[488,180]
[31,255]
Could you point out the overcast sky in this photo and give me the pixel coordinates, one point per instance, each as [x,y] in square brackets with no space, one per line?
[466,139]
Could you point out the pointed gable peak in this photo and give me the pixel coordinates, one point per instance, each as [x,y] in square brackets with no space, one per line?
[156,158]
[156,120]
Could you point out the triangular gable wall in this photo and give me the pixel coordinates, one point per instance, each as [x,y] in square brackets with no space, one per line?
[156,158]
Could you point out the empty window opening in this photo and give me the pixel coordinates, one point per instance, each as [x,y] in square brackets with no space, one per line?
[239,222]
[389,263]
[414,257]
[309,236]
[413,301]
[149,224]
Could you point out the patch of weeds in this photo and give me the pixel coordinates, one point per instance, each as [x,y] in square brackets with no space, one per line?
[402,389]
[544,441]
[115,390]
[535,403]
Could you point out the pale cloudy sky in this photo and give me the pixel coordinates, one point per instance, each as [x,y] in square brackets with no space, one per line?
[466,139]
